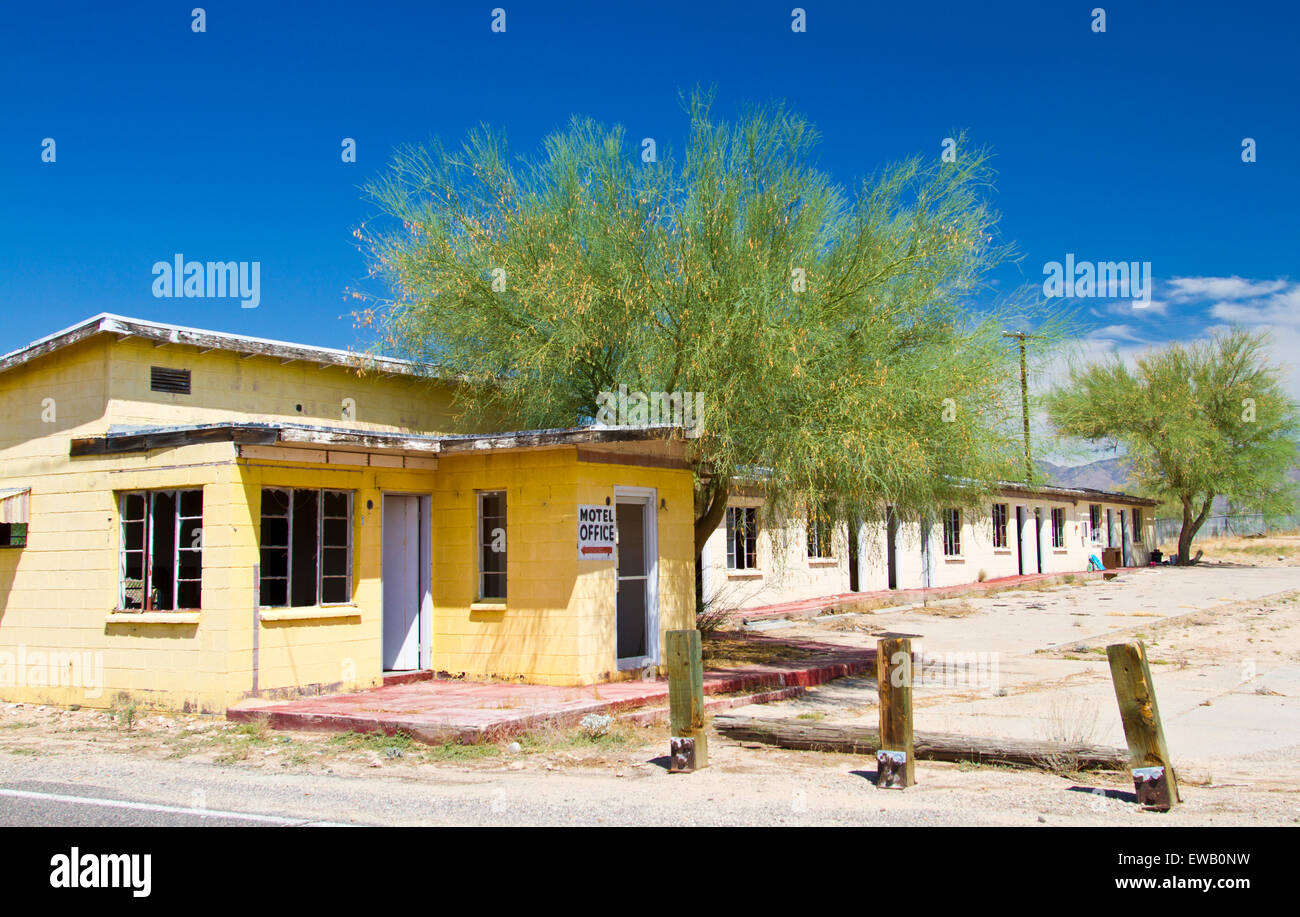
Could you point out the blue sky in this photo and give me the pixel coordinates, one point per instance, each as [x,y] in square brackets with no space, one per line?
[225,145]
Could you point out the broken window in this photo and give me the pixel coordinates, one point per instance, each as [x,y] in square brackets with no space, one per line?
[820,533]
[306,547]
[162,550]
[952,532]
[742,537]
[999,525]
[492,544]
[1058,527]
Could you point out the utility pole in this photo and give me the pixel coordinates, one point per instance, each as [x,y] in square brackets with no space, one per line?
[1024,399]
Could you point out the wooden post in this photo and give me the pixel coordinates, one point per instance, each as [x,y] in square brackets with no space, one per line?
[1153,772]
[688,743]
[896,760]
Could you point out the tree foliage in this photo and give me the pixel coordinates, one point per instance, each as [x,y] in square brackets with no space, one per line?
[681,275]
[1197,420]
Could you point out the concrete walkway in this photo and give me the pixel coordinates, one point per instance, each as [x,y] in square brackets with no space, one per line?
[455,710]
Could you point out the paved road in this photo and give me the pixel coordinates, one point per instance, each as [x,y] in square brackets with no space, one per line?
[34,804]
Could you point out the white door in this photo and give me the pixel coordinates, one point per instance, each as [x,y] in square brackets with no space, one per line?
[1028,541]
[636,611]
[402,578]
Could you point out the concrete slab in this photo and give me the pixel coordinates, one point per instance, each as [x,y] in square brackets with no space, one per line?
[445,710]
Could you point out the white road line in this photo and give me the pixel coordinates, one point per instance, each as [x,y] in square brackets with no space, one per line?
[172,810]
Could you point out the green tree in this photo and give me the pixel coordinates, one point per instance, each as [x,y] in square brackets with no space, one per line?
[1198,421]
[832,334]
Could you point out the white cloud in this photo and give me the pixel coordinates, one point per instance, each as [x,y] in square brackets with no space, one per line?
[1281,308]
[1182,289]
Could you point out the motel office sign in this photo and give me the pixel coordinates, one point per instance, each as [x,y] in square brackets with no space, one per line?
[597,532]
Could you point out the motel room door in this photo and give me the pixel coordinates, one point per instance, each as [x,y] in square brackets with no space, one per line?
[407,563]
[1020,540]
[636,616]
[1029,553]
[1039,532]
[891,546]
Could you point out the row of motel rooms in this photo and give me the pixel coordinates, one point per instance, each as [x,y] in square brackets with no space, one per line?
[193,518]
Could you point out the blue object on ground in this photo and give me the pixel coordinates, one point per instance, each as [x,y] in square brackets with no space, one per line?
[1094,563]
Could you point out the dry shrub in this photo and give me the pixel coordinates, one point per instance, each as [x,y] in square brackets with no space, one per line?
[1071,722]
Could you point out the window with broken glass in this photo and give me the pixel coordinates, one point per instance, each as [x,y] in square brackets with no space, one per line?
[161,563]
[306,547]
[492,544]
[952,532]
[1058,527]
[999,525]
[742,537]
[821,533]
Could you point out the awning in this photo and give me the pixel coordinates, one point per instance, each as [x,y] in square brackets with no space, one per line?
[14,504]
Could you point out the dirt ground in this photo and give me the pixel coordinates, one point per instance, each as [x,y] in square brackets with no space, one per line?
[1267,551]
[1224,644]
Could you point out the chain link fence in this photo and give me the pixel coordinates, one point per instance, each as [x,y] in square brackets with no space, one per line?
[1225,525]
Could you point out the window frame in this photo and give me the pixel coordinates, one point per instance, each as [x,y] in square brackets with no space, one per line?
[1135,520]
[749,549]
[819,548]
[481,546]
[1094,522]
[320,546]
[952,532]
[9,540]
[1000,525]
[146,549]
[1058,526]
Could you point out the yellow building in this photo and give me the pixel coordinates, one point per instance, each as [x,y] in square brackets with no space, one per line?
[193,518]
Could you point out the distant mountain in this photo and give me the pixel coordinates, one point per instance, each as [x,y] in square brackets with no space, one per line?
[1112,474]
[1104,474]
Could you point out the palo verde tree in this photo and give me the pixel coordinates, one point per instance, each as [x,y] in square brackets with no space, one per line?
[1198,421]
[831,332]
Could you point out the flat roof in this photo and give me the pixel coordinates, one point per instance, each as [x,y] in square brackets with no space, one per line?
[139,439]
[1082,493]
[162,333]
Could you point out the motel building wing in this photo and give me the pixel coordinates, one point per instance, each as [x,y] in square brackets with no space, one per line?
[752,561]
[193,518]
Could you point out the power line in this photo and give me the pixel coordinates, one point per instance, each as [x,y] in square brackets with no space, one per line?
[1022,336]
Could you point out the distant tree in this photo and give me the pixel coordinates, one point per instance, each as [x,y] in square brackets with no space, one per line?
[1198,421]
[832,334]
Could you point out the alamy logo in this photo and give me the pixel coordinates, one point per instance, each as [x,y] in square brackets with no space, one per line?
[240,280]
[624,409]
[103,870]
[58,669]
[1102,280]
[948,670]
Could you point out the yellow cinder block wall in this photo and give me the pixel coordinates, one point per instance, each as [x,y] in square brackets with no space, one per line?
[261,389]
[59,591]
[342,648]
[559,625]
[61,588]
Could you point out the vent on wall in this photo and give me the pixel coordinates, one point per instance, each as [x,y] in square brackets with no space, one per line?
[162,379]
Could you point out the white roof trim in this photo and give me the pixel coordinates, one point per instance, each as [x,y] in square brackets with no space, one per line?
[161,333]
